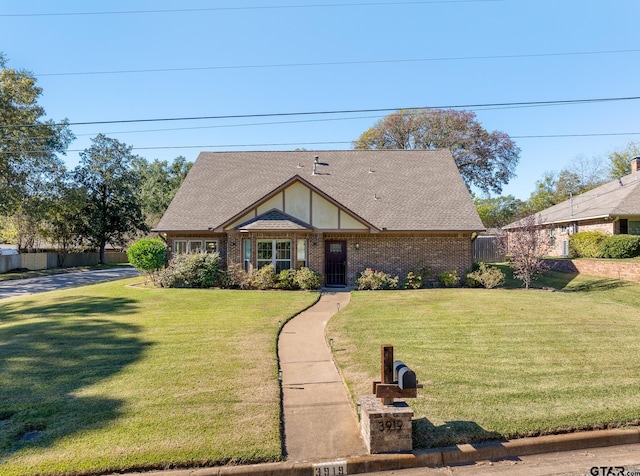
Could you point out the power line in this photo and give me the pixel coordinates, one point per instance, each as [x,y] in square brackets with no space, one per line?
[344,111]
[338,63]
[222,9]
[290,144]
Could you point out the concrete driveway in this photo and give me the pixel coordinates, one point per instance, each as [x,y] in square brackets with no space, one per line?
[41,284]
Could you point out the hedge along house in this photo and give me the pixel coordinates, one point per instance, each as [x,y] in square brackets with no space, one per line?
[612,208]
[335,212]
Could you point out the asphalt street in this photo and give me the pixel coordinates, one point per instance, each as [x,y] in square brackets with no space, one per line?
[623,460]
[41,284]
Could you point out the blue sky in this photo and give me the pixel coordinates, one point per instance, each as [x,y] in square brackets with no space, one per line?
[264,57]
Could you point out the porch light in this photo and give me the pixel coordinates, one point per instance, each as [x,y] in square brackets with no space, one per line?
[357,246]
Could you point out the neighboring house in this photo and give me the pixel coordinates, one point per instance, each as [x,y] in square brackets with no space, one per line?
[612,208]
[336,212]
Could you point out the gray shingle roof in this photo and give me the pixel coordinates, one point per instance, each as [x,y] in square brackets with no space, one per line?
[274,220]
[390,189]
[620,197]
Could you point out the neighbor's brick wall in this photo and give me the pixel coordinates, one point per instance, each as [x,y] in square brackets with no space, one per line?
[609,269]
[596,225]
[559,237]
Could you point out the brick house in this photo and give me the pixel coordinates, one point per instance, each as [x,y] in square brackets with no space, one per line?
[612,208]
[336,212]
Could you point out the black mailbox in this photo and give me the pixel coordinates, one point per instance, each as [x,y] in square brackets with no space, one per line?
[405,377]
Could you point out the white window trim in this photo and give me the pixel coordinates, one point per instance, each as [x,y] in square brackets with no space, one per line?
[187,245]
[305,260]
[175,245]
[274,261]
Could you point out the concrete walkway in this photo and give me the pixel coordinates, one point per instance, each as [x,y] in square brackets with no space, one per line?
[319,419]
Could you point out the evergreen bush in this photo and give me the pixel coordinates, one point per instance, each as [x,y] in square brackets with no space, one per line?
[587,244]
[620,247]
[191,270]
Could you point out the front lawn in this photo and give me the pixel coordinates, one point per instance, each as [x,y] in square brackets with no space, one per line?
[502,363]
[111,377]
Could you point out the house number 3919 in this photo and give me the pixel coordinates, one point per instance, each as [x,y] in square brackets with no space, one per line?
[333,468]
[390,425]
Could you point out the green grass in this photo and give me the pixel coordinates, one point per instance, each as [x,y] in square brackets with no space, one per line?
[502,363]
[113,377]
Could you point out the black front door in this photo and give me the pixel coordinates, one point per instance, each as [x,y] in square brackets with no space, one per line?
[335,259]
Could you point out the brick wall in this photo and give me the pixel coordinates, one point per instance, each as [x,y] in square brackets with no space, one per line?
[609,269]
[220,237]
[396,254]
[603,226]
[558,233]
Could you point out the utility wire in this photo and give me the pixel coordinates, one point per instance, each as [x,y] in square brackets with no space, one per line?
[337,63]
[345,111]
[222,9]
[290,144]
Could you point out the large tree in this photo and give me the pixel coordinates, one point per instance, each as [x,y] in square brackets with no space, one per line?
[159,182]
[29,144]
[486,160]
[620,160]
[111,212]
[579,176]
[495,212]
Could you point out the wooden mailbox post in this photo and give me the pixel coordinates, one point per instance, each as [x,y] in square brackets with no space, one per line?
[389,386]
[386,425]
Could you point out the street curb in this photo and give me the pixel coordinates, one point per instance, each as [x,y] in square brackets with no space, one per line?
[449,456]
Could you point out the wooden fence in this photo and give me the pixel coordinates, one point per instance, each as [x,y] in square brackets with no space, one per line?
[488,249]
[37,261]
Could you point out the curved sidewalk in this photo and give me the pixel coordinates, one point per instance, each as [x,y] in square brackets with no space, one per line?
[319,418]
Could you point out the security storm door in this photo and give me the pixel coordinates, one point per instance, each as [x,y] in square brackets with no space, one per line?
[335,258]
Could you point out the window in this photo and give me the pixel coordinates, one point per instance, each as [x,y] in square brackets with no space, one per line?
[276,252]
[180,246]
[195,246]
[302,253]
[624,226]
[634,227]
[246,245]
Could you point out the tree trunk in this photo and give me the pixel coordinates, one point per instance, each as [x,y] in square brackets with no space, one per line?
[102,258]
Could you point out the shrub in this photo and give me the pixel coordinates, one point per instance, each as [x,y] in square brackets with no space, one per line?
[191,270]
[287,279]
[449,278]
[148,255]
[586,244]
[488,276]
[620,246]
[264,278]
[416,279]
[307,279]
[469,280]
[235,277]
[370,279]
[412,281]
